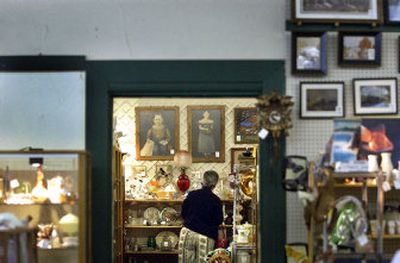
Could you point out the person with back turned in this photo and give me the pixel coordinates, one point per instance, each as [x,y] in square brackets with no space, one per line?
[202,215]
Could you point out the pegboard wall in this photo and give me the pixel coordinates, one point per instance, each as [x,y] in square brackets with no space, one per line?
[124,114]
[308,137]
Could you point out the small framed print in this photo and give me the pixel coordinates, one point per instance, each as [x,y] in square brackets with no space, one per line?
[392,12]
[309,52]
[246,125]
[327,11]
[139,171]
[375,96]
[359,48]
[236,154]
[206,133]
[164,168]
[321,100]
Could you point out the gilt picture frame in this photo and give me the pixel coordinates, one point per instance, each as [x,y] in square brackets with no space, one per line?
[246,125]
[206,133]
[157,132]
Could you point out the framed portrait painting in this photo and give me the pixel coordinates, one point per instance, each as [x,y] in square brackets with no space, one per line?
[375,96]
[157,132]
[359,48]
[392,12]
[321,100]
[206,133]
[246,125]
[309,53]
[320,11]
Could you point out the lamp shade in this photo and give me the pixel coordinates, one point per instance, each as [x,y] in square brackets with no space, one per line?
[183,159]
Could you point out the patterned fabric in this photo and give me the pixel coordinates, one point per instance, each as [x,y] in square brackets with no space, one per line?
[193,247]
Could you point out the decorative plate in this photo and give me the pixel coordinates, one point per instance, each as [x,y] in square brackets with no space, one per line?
[151,214]
[169,236]
[169,215]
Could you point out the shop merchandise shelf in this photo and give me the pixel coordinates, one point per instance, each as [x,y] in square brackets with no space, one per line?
[148,252]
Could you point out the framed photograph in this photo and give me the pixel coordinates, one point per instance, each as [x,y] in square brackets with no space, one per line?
[246,125]
[392,12]
[375,96]
[321,100]
[359,48]
[236,153]
[138,171]
[206,133]
[157,132]
[355,11]
[309,52]
[164,168]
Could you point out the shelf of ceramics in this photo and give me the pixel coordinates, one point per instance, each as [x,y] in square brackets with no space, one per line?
[154,252]
[36,204]
[152,227]
[179,201]
[165,227]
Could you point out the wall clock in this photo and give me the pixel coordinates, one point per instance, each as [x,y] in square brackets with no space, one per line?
[274,114]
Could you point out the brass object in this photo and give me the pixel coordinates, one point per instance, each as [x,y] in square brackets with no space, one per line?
[247,183]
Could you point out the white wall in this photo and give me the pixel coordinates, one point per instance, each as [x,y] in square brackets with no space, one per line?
[144,29]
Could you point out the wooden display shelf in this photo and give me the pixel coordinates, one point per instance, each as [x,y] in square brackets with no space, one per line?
[387,236]
[355,175]
[152,252]
[176,201]
[164,227]
[152,227]
[313,27]
[33,204]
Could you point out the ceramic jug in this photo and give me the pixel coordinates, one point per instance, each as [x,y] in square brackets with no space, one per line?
[373,163]
[386,163]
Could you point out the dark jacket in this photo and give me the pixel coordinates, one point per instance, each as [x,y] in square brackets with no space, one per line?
[202,212]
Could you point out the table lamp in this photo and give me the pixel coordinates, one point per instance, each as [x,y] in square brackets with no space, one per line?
[183,160]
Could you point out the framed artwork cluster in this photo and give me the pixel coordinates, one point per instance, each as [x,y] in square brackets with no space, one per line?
[157,131]
[354,49]
[372,97]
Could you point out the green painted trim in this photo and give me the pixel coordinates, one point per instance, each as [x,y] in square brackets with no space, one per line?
[323,27]
[109,79]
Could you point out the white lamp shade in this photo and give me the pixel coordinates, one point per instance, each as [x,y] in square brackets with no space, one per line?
[183,159]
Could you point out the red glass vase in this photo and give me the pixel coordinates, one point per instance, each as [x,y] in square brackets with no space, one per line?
[183,182]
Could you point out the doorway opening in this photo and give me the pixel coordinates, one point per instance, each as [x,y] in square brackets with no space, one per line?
[148,200]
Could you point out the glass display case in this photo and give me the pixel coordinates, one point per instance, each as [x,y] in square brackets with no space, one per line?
[48,190]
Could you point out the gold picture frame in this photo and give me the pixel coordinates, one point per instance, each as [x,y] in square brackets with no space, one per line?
[157,132]
[246,125]
[206,133]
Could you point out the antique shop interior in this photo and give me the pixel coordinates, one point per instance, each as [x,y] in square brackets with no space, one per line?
[109,125]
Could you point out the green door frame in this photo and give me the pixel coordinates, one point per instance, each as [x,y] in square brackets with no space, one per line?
[109,79]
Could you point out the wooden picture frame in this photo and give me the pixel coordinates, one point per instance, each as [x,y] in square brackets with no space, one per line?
[392,12]
[235,152]
[309,53]
[359,48]
[246,125]
[157,143]
[321,100]
[364,11]
[206,133]
[375,96]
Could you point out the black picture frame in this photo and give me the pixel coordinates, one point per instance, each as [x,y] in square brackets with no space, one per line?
[359,48]
[367,12]
[322,100]
[309,53]
[392,12]
[375,96]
